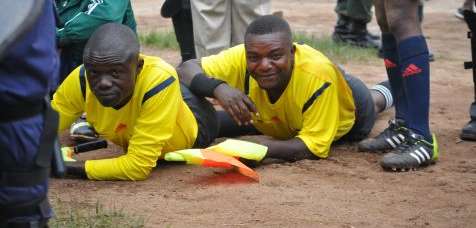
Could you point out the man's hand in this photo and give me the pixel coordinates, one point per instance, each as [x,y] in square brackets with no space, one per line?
[236,103]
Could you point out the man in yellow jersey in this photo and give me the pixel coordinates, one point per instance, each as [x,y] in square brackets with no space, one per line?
[291,93]
[133,100]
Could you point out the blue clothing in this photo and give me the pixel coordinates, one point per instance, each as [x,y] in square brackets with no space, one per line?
[408,71]
[415,68]
[392,65]
[27,73]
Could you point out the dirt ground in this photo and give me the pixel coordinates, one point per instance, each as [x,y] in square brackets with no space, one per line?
[347,190]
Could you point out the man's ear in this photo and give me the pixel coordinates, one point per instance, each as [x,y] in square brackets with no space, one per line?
[140,64]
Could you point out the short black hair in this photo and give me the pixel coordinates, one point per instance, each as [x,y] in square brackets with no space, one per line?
[113,37]
[269,24]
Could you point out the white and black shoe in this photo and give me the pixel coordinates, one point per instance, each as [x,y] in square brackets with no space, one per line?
[415,152]
[390,138]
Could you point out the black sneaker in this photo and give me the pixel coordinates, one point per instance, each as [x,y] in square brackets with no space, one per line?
[82,131]
[414,153]
[356,40]
[459,14]
[469,131]
[389,139]
[373,36]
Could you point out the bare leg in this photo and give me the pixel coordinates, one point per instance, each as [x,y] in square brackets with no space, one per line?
[402,18]
[468,4]
[379,101]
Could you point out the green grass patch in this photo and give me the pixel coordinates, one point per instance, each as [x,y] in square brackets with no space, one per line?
[159,39]
[337,52]
[77,214]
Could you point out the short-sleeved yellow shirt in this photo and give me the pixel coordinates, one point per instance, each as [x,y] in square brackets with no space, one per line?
[155,120]
[317,105]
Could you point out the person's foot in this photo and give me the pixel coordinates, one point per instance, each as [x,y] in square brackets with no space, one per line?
[459,14]
[82,131]
[414,153]
[373,36]
[390,138]
[469,131]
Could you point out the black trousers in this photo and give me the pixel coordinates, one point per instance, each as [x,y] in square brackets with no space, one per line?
[183,27]
[205,116]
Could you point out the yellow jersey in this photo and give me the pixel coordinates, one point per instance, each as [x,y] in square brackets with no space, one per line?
[155,120]
[317,105]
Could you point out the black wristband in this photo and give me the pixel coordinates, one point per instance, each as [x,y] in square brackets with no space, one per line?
[76,169]
[203,85]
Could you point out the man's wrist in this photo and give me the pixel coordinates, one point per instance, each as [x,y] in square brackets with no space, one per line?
[76,169]
[203,85]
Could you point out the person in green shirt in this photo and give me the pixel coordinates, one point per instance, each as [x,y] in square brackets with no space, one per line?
[78,19]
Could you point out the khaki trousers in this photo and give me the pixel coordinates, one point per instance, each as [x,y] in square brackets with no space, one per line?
[220,24]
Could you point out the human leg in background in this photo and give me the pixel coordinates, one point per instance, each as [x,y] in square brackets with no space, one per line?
[243,12]
[351,27]
[406,59]
[469,131]
[183,27]
[211,26]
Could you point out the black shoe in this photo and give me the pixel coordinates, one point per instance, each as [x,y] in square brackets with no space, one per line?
[389,139]
[373,36]
[359,35]
[459,14]
[82,131]
[356,40]
[342,25]
[469,131]
[341,29]
[414,153]
[431,57]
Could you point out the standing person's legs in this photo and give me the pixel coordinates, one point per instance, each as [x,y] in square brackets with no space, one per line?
[406,60]
[342,27]
[183,27]
[392,136]
[469,131]
[413,63]
[351,27]
[211,26]
[243,12]
[420,147]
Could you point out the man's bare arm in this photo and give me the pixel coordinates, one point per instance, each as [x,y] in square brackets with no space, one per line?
[289,150]
[188,69]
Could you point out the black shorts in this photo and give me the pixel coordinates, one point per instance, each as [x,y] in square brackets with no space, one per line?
[204,114]
[364,110]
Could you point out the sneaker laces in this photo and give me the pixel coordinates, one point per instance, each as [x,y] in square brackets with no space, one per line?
[414,141]
[394,127]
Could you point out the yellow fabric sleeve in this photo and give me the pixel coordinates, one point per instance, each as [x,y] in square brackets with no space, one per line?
[153,128]
[68,100]
[317,136]
[229,65]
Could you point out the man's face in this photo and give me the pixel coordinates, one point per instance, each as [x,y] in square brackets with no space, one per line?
[112,77]
[270,60]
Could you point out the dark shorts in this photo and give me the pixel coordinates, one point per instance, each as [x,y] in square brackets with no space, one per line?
[364,114]
[205,115]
